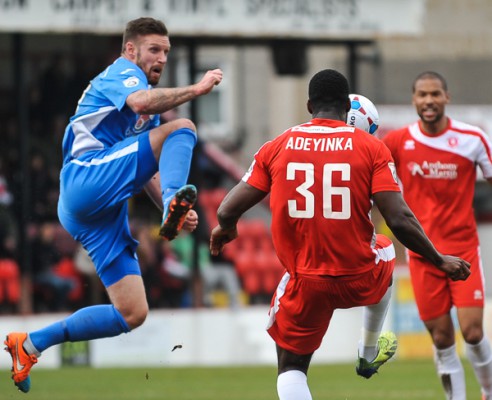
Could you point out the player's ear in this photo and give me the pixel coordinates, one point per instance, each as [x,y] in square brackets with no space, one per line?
[130,49]
[309,107]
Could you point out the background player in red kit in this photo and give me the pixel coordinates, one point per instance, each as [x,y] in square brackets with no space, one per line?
[436,159]
[322,177]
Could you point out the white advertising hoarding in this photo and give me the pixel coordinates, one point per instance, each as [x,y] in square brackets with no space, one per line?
[313,19]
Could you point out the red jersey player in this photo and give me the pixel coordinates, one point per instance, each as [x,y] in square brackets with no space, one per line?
[436,160]
[323,176]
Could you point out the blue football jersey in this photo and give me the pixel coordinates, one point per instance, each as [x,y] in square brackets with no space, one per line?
[102,117]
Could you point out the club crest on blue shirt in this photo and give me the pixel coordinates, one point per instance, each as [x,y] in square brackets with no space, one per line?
[131,81]
[142,123]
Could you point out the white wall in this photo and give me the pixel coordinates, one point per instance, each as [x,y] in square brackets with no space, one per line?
[208,337]
[221,337]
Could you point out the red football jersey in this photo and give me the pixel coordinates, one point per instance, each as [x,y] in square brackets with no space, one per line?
[321,176]
[438,175]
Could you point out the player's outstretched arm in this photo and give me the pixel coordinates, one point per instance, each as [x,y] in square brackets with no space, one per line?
[159,100]
[407,229]
[240,199]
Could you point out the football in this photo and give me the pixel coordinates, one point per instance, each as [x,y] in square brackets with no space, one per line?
[363,114]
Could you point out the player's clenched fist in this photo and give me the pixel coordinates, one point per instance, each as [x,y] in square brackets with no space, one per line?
[456,268]
[209,80]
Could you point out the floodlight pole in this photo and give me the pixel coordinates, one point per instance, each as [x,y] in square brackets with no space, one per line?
[23,178]
[196,278]
[353,67]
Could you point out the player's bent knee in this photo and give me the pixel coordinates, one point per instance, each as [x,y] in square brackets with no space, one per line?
[136,317]
[134,321]
[158,135]
[185,123]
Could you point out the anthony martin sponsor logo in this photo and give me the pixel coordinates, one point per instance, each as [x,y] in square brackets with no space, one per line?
[433,170]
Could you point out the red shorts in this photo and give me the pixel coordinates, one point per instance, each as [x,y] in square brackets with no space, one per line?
[302,307]
[435,293]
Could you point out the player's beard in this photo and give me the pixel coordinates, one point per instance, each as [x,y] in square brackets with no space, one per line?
[151,78]
[153,81]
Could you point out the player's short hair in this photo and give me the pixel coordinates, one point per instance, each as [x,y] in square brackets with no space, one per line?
[329,89]
[430,75]
[141,27]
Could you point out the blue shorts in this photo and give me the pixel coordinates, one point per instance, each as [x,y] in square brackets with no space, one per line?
[93,207]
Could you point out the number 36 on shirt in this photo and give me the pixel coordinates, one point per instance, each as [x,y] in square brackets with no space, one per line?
[293,170]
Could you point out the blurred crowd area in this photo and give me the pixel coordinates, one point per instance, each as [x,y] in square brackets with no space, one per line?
[40,262]
[58,274]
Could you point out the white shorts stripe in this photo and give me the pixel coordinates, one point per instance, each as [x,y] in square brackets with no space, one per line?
[278,295]
[385,253]
[110,157]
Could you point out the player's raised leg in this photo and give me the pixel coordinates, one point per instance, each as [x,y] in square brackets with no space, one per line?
[172,145]
[375,348]
[180,202]
[386,348]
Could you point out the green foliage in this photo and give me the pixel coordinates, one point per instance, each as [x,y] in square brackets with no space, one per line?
[397,380]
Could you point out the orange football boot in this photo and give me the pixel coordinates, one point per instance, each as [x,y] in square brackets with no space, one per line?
[175,214]
[21,361]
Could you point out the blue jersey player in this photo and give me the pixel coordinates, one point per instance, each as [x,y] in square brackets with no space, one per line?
[113,148]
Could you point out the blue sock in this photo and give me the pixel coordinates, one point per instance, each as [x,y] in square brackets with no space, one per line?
[175,162]
[86,324]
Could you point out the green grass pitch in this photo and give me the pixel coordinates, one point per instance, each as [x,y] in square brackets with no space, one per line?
[397,380]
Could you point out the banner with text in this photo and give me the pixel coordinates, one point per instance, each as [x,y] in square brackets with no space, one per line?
[309,19]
